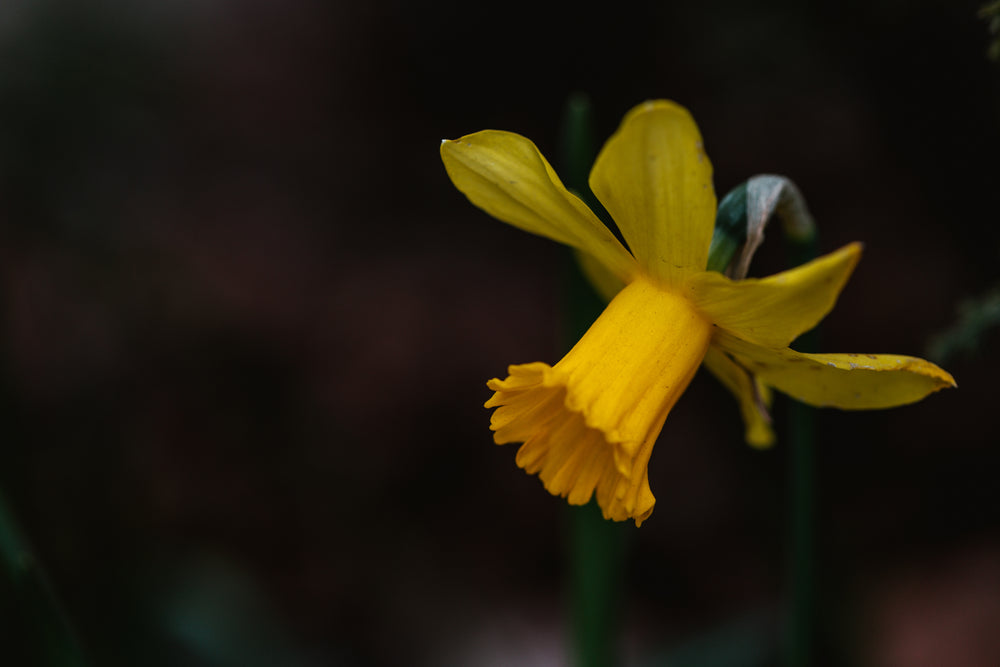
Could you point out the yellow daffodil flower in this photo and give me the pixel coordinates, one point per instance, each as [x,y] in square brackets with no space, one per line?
[589,423]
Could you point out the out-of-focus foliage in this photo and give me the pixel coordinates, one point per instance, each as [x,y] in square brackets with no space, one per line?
[976,317]
[991,12]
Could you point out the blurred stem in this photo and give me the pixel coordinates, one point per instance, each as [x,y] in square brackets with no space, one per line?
[744,212]
[800,638]
[595,566]
[597,546]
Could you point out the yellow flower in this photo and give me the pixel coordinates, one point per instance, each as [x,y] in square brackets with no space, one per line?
[589,423]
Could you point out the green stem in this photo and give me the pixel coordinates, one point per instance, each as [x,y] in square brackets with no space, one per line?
[597,546]
[801,635]
[801,619]
[740,220]
[595,566]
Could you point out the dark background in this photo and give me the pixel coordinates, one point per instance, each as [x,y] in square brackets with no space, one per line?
[246,324]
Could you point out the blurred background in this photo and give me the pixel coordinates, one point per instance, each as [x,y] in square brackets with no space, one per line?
[246,324]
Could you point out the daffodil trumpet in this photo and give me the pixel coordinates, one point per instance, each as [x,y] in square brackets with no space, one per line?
[588,424]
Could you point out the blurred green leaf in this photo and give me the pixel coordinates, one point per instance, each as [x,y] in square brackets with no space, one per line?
[34,629]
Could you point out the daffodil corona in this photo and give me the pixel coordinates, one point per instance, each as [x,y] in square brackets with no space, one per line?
[589,423]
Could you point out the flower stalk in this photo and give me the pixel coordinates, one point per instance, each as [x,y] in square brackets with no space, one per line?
[596,547]
[739,229]
[801,634]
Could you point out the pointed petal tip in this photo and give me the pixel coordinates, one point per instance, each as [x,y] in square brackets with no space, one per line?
[653,105]
[760,435]
[505,175]
[658,105]
[946,377]
[854,250]
[848,381]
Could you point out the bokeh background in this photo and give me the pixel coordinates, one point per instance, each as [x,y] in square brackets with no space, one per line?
[246,323]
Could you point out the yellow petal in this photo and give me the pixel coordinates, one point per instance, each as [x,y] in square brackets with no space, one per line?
[589,423]
[656,182]
[505,175]
[606,284]
[753,400]
[846,381]
[773,311]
